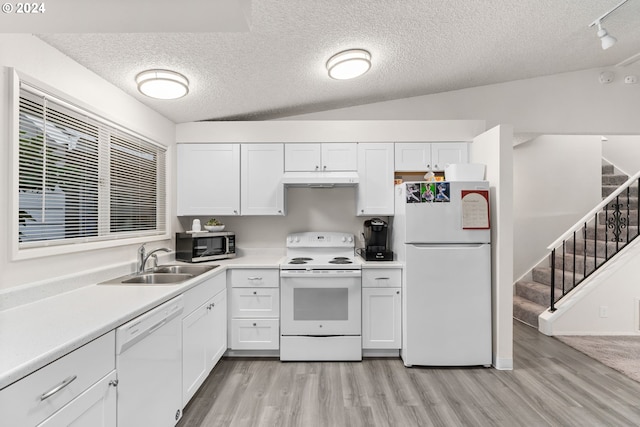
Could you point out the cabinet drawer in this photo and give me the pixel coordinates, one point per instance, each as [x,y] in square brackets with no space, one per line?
[254,277]
[195,296]
[255,302]
[21,403]
[255,334]
[381,277]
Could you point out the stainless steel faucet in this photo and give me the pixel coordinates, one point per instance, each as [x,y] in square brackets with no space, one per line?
[143,256]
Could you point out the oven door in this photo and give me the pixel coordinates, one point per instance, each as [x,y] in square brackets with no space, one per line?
[320,303]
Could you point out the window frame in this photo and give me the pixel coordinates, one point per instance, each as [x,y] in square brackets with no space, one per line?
[78,245]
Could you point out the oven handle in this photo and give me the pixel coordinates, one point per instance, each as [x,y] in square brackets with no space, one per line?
[319,274]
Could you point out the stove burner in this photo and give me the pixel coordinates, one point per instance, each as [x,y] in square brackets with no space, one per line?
[340,260]
[300,260]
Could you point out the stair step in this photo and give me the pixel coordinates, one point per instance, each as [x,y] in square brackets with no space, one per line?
[611,179]
[608,189]
[527,311]
[533,291]
[543,275]
[602,231]
[607,169]
[577,263]
[599,248]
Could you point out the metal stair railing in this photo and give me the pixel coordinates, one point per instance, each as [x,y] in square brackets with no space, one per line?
[617,220]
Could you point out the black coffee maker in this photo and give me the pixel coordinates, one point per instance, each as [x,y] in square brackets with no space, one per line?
[375,240]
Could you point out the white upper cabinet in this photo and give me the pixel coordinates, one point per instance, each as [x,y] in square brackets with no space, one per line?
[208,179]
[422,156]
[445,153]
[412,156]
[340,157]
[375,171]
[321,157]
[262,191]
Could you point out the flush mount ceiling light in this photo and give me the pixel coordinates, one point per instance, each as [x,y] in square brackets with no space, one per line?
[349,64]
[162,84]
[606,39]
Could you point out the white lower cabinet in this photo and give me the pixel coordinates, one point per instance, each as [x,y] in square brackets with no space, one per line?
[254,309]
[255,334]
[381,309]
[96,407]
[69,391]
[204,334]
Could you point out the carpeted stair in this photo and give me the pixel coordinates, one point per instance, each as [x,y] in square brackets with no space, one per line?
[531,297]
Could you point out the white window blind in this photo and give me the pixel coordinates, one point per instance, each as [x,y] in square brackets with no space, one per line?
[83,178]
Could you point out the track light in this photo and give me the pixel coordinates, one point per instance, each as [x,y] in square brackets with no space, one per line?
[606,39]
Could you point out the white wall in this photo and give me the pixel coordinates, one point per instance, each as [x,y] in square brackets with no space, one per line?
[614,289]
[494,149]
[623,151]
[570,103]
[556,181]
[38,60]
[308,209]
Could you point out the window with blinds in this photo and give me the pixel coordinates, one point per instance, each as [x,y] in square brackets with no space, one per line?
[83,178]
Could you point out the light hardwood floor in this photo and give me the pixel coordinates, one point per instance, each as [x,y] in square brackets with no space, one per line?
[551,385]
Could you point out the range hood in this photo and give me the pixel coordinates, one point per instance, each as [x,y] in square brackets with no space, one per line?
[320,179]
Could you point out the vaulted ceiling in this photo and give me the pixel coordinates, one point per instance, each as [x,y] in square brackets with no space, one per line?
[418,47]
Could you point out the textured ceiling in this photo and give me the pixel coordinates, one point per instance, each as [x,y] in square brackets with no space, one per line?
[418,47]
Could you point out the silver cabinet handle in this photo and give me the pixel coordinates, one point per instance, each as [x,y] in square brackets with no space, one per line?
[255,278]
[255,293]
[382,278]
[59,387]
[255,324]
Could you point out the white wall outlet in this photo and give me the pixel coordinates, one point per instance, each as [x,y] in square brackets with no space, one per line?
[606,77]
[631,80]
[604,311]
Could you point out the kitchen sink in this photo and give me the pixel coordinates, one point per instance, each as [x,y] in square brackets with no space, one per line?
[161,275]
[158,279]
[183,269]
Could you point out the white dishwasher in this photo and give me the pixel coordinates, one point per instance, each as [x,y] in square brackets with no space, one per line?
[149,367]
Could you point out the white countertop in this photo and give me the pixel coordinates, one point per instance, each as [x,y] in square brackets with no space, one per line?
[35,334]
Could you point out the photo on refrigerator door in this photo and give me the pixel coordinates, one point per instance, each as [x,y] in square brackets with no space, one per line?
[413,193]
[442,192]
[428,192]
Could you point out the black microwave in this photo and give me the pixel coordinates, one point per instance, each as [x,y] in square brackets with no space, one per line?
[205,246]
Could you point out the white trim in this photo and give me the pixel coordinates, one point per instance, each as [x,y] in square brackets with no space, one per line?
[503,364]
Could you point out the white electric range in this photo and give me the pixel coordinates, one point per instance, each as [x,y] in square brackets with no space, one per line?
[320,298]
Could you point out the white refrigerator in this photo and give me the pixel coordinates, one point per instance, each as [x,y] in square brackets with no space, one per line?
[441,232]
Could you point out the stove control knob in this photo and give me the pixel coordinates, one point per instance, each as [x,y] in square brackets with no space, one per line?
[344,239]
[350,239]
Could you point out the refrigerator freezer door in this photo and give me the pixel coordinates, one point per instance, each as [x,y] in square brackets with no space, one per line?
[447,305]
[440,222]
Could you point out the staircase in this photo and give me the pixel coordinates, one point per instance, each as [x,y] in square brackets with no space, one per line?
[532,297]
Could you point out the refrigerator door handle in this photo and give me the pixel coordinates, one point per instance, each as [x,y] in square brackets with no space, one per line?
[448,246]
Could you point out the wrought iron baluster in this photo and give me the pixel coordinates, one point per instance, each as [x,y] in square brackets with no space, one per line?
[574,260]
[552,306]
[564,254]
[584,253]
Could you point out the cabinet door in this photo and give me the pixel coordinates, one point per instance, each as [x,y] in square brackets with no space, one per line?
[340,157]
[255,302]
[381,318]
[208,179]
[262,167]
[255,334]
[412,156]
[196,346]
[302,157]
[219,327]
[94,407]
[444,153]
[375,170]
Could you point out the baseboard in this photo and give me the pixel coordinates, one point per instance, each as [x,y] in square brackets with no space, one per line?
[381,353]
[503,364]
